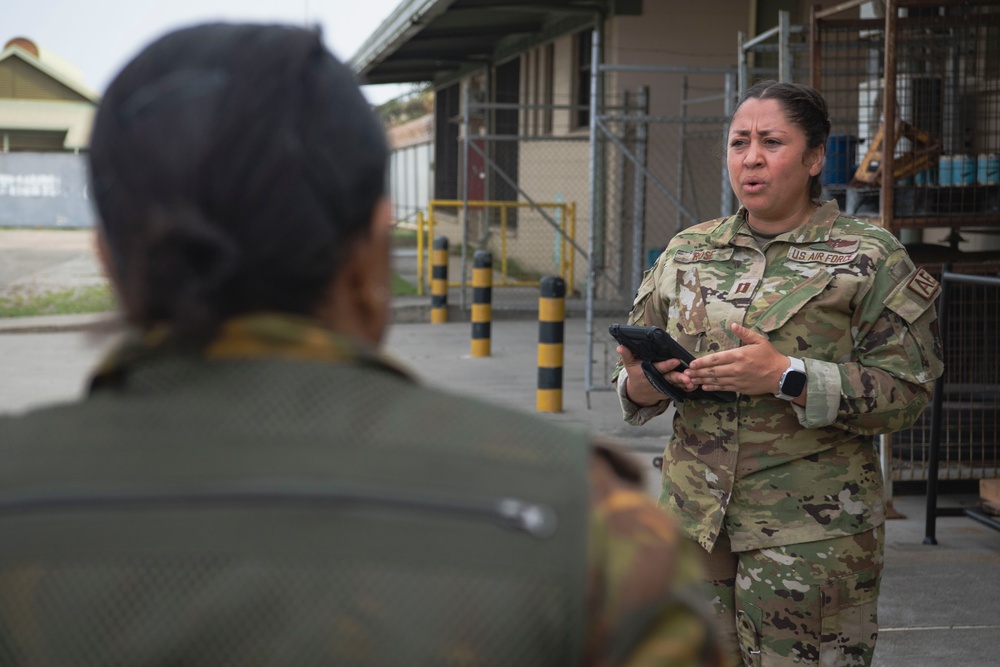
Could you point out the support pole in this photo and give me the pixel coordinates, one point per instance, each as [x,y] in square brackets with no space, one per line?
[551,327]
[681,150]
[937,404]
[595,259]
[742,70]
[439,281]
[726,203]
[639,190]
[887,203]
[784,53]
[482,296]
[466,143]
[420,252]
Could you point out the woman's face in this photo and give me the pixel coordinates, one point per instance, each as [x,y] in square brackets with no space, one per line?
[770,165]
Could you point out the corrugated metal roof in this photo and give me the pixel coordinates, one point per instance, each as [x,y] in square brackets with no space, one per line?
[432,40]
[54,67]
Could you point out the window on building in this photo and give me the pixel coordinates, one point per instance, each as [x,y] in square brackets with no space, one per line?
[582,78]
[507,84]
[548,88]
[446,112]
[539,71]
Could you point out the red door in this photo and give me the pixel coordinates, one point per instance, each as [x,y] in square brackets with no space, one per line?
[476,171]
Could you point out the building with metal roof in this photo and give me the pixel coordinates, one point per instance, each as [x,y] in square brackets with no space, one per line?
[46,115]
[44,104]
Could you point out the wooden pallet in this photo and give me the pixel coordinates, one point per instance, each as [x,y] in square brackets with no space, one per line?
[989,495]
[923,156]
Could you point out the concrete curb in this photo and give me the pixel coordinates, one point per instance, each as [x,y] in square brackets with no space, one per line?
[406,310]
[56,323]
[402,313]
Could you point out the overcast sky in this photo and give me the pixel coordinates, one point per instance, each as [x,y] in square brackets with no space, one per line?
[100,36]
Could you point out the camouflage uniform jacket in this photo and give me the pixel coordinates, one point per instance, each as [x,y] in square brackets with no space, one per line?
[246,413]
[837,292]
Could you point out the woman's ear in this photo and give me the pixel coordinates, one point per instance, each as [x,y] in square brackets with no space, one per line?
[377,289]
[816,160]
[103,251]
[358,300]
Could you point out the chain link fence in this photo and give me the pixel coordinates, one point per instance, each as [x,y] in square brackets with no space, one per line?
[544,173]
[507,229]
[658,161]
[661,173]
[657,168]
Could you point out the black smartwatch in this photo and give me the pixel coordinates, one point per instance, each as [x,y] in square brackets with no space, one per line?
[793,380]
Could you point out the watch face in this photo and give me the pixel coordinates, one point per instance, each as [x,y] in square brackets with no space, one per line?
[793,383]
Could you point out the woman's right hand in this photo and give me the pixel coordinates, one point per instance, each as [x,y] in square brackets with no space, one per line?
[638,389]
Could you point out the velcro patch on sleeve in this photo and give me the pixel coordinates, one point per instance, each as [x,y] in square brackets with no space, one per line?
[923,285]
[914,295]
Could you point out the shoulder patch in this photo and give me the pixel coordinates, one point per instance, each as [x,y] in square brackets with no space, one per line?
[914,296]
[923,285]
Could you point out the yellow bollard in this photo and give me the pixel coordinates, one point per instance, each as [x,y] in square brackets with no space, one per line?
[482,296]
[439,281]
[551,321]
[420,253]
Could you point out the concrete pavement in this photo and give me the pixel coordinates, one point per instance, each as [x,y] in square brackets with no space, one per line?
[940,605]
[34,260]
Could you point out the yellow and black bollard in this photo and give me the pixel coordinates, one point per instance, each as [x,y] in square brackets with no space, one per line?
[482,296]
[439,281]
[551,318]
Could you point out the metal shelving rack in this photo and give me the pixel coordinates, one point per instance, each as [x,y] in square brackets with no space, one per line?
[923,78]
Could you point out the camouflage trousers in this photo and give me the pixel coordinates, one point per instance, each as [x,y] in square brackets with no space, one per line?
[801,604]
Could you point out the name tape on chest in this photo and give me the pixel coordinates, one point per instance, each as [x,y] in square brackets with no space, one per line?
[709,255]
[820,256]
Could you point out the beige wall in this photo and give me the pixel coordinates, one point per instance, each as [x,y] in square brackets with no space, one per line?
[689,34]
[551,172]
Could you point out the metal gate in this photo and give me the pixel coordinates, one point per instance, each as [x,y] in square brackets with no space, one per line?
[967,396]
[519,196]
[957,437]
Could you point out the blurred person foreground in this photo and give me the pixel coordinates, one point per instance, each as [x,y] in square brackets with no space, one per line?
[249,478]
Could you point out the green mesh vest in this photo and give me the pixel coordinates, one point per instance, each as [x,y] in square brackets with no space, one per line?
[288,513]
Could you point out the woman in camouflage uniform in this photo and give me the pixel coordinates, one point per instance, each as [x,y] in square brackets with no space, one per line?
[826,330]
